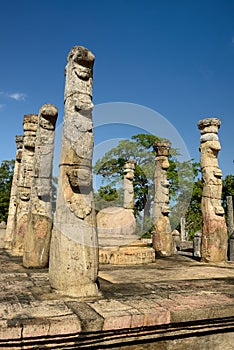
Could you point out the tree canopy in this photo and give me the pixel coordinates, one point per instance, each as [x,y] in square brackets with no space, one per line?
[111,166]
[6,175]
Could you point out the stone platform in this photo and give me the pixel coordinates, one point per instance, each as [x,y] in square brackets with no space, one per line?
[173,303]
[134,253]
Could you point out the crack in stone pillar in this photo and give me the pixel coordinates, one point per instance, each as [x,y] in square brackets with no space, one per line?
[11,220]
[24,184]
[214,231]
[162,238]
[39,224]
[73,263]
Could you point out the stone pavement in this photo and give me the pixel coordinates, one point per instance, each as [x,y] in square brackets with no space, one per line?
[169,304]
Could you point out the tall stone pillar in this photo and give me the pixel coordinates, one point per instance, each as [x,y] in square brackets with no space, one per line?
[73,263]
[162,238]
[214,231]
[230,225]
[129,168]
[11,220]
[39,224]
[24,184]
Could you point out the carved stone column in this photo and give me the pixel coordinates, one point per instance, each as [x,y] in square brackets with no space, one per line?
[230,226]
[214,231]
[11,220]
[129,168]
[162,238]
[39,225]
[74,247]
[24,184]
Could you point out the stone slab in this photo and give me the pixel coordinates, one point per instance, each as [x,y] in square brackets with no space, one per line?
[128,255]
[177,298]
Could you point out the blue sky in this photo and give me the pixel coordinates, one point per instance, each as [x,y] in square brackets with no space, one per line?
[174,57]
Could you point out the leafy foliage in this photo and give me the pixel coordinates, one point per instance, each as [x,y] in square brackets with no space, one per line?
[111,167]
[184,177]
[228,189]
[194,214]
[108,196]
[6,176]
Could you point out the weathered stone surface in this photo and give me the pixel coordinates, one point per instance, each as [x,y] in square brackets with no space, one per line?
[24,183]
[126,255]
[114,222]
[197,244]
[39,224]
[175,302]
[117,225]
[129,168]
[11,220]
[214,231]
[175,241]
[74,247]
[162,238]
[114,319]
[230,223]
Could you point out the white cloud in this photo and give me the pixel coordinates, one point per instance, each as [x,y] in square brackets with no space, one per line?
[18,96]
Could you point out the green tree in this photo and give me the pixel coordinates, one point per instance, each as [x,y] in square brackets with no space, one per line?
[111,166]
[108,196]
[228,189]
[187,196]
[194,214]
[6,176]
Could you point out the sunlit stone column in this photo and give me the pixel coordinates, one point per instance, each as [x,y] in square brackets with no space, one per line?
[11,220]
[73,263]
[129,169]
[162,238]
[214,231]
[39,225]
[24,184]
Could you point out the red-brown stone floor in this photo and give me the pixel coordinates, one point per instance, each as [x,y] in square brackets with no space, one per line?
[177,292]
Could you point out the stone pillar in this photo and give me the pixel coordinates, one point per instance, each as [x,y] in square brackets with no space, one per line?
[214,231]
[24,184]
[176,239]
[39,225]
[183,235]
[11,220]
[162,238]
[129,168]
[231,247]
[230,226]
[197,244]
[73,263]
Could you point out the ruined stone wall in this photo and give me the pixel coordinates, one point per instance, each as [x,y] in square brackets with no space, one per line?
[39,224]
[74,247]
[214,231]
